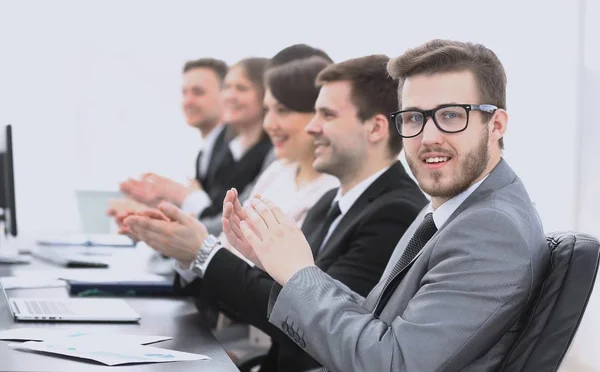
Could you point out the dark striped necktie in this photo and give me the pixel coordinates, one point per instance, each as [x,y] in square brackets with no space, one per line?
[421,236]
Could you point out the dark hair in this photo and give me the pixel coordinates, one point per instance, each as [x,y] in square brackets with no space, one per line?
[450,56]
[293,83]
[216,65]
[296,52]
[373,90]
[255,69]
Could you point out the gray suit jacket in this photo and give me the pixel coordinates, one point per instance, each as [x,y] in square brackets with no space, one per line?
[459,306]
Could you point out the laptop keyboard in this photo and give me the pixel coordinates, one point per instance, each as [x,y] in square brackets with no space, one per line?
[47,308]
[73,309]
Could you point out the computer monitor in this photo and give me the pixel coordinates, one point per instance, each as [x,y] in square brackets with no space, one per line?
[7,183]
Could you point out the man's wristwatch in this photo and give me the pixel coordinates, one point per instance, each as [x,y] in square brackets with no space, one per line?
[208,245]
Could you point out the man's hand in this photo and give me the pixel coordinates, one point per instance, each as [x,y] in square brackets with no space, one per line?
[180,236]
[126,230]
[233,214]
[152,189]
[120,205]
[141,191]
[193,185]
[276,240]
[169,190]
[119,209]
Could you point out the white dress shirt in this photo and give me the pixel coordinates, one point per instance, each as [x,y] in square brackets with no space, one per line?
[346,201]
[197,201]
[237,149]
[444,211]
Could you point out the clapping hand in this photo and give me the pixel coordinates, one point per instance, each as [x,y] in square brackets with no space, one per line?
[266,235]
[169,231]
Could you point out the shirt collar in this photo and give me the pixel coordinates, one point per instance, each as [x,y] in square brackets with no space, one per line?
[346,201]
[444,211]
[237,148]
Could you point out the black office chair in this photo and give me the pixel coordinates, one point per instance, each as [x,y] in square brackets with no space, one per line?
[251,361]
[554,319]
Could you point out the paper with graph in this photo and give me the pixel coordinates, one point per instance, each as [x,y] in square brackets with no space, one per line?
[108,353]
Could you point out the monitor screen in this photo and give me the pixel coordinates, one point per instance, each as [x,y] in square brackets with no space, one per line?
[7,182]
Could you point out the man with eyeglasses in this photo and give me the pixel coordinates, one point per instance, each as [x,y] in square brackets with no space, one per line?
[457,288]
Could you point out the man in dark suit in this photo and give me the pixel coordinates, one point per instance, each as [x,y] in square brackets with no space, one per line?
[202,107]
[352,230]
[457,289]
[231,172]
[217,170]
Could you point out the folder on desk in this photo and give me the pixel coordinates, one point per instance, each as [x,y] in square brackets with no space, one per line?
[88,240]
[132,287]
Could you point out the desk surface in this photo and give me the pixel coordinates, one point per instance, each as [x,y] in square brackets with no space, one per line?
[175,317]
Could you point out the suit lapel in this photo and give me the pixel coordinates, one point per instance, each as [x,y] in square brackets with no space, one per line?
[198,174]
[388,179]
[314,219]
[218,156]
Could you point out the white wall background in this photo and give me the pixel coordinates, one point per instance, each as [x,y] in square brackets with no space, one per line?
[92,87]
[589,213]
[584,356]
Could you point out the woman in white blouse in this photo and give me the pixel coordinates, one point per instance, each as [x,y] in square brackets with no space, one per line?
[291,182]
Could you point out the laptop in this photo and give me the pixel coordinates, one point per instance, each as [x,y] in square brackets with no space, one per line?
[71,309]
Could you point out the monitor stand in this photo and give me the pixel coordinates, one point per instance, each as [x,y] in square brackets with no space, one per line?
[9,254]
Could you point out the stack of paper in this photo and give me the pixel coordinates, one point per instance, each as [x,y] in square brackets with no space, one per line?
[110,349]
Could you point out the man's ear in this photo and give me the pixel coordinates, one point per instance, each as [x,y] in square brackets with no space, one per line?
[378,128]
[498,124]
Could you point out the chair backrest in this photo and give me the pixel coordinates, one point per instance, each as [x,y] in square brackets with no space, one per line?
[555,316]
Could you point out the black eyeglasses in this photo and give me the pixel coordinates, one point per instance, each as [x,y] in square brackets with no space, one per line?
[451,118]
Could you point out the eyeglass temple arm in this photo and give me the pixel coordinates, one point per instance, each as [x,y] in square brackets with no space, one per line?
[485,108]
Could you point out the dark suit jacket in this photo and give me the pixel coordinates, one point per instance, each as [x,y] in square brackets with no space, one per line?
[214,164]
[227,173]
[356,254]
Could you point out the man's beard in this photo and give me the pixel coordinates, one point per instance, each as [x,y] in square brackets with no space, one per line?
[469,170]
